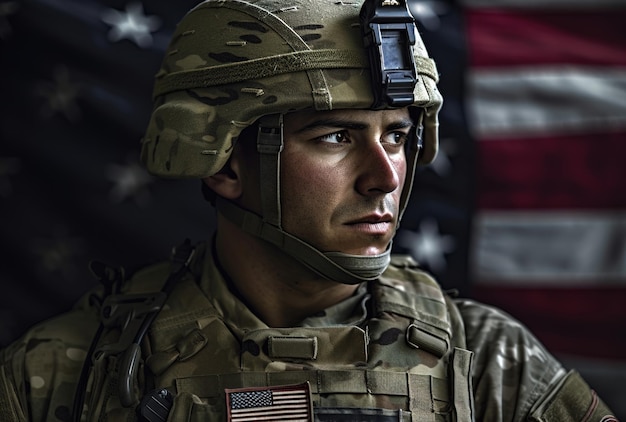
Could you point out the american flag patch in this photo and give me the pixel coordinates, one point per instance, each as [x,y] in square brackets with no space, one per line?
[284,403]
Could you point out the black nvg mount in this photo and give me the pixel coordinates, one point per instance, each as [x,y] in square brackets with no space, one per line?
[388,29]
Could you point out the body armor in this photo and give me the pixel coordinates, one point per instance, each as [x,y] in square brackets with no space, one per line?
[397,361]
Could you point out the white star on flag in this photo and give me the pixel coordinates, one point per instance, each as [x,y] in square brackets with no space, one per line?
[58,253]
[130,180]
[61,95]
[427,13]
[131,24]
[427,245]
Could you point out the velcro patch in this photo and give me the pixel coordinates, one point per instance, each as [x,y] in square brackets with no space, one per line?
[278,403]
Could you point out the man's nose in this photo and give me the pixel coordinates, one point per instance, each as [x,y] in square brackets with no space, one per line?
[378,172]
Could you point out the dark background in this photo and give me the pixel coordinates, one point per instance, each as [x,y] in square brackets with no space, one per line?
[75,88]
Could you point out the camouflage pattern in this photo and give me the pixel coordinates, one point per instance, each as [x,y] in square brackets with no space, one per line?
[378,350]
[229,63]
[38,373]
[513,368]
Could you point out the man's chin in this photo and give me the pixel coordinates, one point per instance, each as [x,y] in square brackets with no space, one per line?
[367,251]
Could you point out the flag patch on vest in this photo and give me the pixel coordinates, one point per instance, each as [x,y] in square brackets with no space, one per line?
[282,403]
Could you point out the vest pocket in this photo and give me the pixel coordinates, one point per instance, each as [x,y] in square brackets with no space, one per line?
[189,408]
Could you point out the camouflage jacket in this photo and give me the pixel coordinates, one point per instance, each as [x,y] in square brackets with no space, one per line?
[398,350]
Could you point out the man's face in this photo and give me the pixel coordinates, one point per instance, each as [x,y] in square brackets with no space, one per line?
[342,174]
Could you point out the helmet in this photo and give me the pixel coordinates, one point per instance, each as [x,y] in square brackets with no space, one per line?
[231,63]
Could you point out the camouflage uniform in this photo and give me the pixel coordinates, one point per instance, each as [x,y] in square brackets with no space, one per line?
[368,353]
[399,349]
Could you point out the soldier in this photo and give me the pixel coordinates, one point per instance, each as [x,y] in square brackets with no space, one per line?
[305,121]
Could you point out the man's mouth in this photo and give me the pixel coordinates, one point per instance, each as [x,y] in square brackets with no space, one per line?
[373,224]
[373,219]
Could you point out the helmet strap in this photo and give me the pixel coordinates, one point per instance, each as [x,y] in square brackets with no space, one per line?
[340,267]
[269,145]
[412,157]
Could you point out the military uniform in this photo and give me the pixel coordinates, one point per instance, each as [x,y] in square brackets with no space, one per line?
[399,349]
[188,349]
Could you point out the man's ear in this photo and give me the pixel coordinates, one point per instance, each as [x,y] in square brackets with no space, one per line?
[227,182]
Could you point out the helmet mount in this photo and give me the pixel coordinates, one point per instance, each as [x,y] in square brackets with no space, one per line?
[388,30]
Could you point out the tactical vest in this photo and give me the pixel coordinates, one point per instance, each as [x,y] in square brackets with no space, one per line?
[406,362]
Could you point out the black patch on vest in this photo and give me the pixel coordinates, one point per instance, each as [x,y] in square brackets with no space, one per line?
[226,57]
[250,26]
[348,414]
[388,337]
[250,347]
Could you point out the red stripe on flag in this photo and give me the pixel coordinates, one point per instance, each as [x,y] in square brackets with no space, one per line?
[576,321]
[579,171]
[528,37]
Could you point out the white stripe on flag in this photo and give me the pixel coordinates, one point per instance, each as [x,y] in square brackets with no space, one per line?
[552,248]
[538,100]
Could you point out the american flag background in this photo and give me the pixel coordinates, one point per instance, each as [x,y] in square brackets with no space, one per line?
[524,208]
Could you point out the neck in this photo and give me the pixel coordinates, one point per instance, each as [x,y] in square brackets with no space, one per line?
[278,289]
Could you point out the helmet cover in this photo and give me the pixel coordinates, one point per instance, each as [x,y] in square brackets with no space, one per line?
[231,62]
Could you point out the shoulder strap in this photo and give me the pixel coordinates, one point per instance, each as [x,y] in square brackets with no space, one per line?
[405,290]
[134,313]
[459,338]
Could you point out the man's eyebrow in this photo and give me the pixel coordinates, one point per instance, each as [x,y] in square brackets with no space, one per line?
[333,123]
[351,124]
[400,124]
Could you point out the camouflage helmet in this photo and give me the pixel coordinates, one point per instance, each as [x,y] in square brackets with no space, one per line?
[232,63]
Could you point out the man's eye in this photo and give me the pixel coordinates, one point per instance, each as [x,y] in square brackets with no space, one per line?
[395,138]
[334,138]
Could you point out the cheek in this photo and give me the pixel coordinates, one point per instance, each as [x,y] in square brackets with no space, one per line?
[305,181]
[310,192]
[401,167]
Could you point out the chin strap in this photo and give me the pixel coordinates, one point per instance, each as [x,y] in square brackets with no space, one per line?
[344,268]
